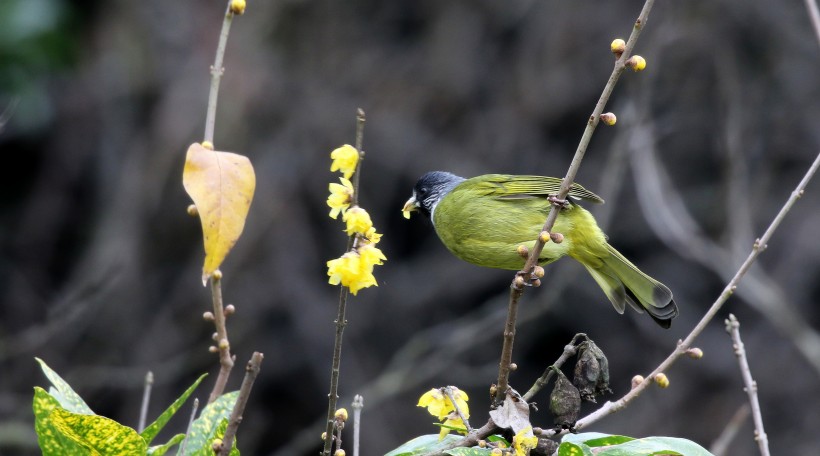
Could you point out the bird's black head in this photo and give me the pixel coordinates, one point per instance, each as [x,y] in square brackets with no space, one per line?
[430,189]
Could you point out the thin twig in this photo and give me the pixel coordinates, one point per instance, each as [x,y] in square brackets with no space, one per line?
[814,16]
[226,360]
[146,399]
[516,288]
[333,395]
[569,351]
[759,246]
[448,391]
[251,371]
[733,328]
[357,405]
[217,70]
[8,112]
[721,444]
[191,419]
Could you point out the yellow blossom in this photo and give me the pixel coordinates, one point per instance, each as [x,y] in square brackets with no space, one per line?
[440,406]
[351,271]
[452,421]
[524,441]
[345,159]
[372,236]
[358,221]
[371,255]
[340,197]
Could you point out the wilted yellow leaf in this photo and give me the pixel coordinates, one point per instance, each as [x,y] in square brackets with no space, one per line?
[221,184]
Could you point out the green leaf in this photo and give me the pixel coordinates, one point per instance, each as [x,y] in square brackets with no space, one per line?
[160,450]
[51,441]
[153,429]
[619,445]
[655,445]
[68,399]
[424,444]
[204,429]
[469,451]
[571,449]
[596,439]
[97,435]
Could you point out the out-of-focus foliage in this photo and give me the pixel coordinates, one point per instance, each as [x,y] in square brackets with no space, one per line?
[99,261]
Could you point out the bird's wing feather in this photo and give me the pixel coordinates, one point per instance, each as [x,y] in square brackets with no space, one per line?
[514,187]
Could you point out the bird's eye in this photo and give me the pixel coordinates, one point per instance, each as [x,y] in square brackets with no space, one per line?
[423,190]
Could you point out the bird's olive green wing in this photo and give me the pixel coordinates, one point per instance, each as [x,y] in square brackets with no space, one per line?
[508,186]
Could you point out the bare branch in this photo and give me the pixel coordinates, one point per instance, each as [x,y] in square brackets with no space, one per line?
[146,399]
[251,371]
[733,328]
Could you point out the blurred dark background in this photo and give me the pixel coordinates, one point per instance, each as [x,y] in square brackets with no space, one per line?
[100,264]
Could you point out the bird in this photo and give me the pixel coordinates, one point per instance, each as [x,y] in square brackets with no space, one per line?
[485,219]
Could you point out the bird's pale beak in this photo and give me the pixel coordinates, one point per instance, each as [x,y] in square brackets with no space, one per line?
[410,206]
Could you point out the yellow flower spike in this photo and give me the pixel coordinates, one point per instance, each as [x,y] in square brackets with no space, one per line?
[340,197]
[636,62]
[524,441]
[238,7]
[345,159]
[358,221]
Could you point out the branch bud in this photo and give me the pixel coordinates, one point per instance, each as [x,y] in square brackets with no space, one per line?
[518,283]
[513,366]
[230,309]
[636,62]
[523,251]
[238,7]
[216,445]
[661,380]
[341,414]
[208,316]
[339,452]
[536,283]
[694,353]
[217,275]
[617,47]
[192,210]
[557,238]
[538,271]
[224,345]
[213,349]
[544,237]
[609,118]
[637,380]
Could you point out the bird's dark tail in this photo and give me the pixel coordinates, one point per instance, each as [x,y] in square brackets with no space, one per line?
[625,284]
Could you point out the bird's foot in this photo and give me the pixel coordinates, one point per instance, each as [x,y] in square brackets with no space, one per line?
[562,203]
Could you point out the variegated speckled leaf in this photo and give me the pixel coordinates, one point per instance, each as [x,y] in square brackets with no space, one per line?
[153,429]
[205,428]
[68,399]
[160,450]
[98,435]
[51,441]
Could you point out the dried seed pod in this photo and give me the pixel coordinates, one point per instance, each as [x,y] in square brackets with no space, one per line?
[565,402]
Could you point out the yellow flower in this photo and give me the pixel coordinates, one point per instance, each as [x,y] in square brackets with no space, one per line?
[453,421]
[340,197]
[524,441]
[371,255]
[358,221]
[345,159]
[440,406]
[350,271]
[372,236]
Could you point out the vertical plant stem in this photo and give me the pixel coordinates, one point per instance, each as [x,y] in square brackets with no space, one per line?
[191,419]
[517,286]
[216,75]
[358,405]
[341,322]
[226,360]
[733,328]
[814,16]
[251,371]
[146,399]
